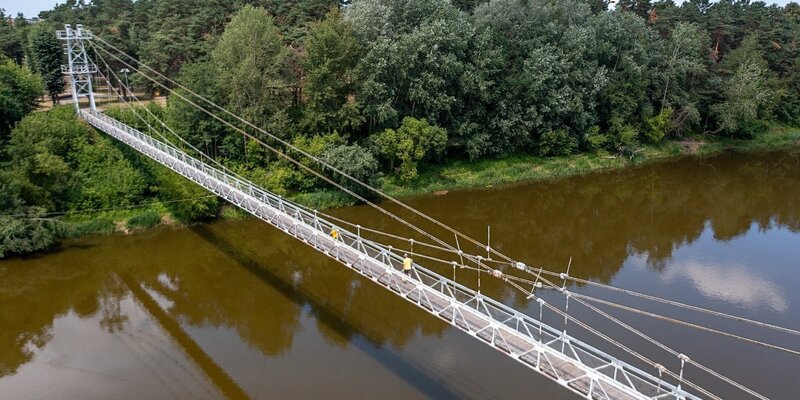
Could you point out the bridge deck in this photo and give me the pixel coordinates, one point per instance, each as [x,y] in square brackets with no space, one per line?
[581,368]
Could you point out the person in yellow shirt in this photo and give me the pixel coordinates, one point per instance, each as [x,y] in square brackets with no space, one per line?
[335,234]
[407,263]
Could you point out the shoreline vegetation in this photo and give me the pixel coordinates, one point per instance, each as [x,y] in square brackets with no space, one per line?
[454,176]
[410,96]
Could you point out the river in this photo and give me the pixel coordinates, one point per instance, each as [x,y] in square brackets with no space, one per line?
[236,309]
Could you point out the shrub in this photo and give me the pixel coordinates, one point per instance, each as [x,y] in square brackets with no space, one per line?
[594,140]
[658,126]
[415,140]
[355,161]
[557,143]
[25,235]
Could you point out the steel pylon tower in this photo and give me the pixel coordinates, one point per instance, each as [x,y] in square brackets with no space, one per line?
[79,68]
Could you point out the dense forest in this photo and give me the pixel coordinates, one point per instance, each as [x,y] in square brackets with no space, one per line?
[386,88]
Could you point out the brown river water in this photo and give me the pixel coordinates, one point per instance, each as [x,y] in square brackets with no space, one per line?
[237,309]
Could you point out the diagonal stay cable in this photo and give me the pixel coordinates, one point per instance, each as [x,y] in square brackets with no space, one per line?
[305,153]
[303,166]
[427,217]
[431,219]
[159,120]
[285,156]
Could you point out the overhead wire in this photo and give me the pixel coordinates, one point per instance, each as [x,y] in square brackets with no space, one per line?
[94,210]
[284,155]
[588,282]
[316,173]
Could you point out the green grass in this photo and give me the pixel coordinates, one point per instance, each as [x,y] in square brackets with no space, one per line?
[144,220]
[463,174]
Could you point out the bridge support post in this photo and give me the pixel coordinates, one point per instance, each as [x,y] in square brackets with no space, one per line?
[78,66]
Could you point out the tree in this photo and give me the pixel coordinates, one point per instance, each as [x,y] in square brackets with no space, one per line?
[10,43]
[19,93]
[355,161]
[624,47]
[424,59]
[252,69]
[639,7]
[551,79]
[45,57]
[331,75]
[194,125]
[415,140]
[675,75]
[27,234]
[179,32]
[744,94]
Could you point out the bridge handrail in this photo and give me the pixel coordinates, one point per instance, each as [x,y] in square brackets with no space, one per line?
[495,310]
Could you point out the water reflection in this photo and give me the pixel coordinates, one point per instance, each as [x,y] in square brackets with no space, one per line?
[267,309]
[732,283]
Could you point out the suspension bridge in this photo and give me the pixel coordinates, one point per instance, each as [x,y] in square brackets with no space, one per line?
[613,372]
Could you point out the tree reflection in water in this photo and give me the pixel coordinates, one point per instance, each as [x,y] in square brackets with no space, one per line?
[258,282]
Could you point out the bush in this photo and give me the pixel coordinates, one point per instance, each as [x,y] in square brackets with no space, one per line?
[148,219]
[415,140]
[355,161]
[19,94]
[25,235]
[594,140]
[557,143]
[658,125]
[622,135]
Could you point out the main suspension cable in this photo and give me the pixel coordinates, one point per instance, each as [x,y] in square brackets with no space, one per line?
[303,166]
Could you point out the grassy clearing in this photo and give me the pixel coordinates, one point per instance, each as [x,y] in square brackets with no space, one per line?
[112,221]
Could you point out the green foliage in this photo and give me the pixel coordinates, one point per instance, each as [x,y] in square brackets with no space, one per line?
[622,136]
[355,161]
[744,94]
[594,139]
[658,126]
[414,141]
[330,63]
[252,68]
[107,178]
[27,234]
[145,220]
[40,154]
[680,59]
[185,200]
[557,143]
[551,79]
[10,39]
[19,94]
[178,32]
[94,226]
[44,56]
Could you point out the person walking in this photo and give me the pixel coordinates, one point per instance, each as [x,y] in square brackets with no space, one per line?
[407,264]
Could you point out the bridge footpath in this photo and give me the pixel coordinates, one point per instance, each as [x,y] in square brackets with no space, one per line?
[575,365]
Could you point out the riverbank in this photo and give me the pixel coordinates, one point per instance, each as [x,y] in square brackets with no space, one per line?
[459,175]
[529,168]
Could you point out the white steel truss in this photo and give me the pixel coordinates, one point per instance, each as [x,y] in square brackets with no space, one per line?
[78,67]
[573,364]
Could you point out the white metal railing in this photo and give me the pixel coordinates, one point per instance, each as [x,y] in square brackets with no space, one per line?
[79,69]
[576,365]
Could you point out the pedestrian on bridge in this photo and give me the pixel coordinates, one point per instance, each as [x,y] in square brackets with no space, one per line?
[407,264]
[335,234]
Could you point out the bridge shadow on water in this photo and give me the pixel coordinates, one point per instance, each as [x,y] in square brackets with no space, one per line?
[328,316]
